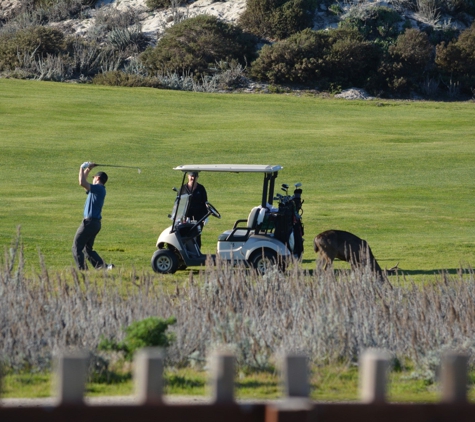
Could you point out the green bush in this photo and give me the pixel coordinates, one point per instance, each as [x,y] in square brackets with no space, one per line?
[195,45]
[40,12]
[456,59]
[336,57]
[298,59]
[409,61]
[157,4]
[118,78]
[374,22]
[149,332]
[38,41]
[277,19]
[413,50]
[351,60]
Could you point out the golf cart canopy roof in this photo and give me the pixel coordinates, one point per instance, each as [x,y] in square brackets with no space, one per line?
[231,168]
[270,174]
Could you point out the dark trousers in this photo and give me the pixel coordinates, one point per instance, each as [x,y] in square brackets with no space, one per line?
[198,238]
[84,242]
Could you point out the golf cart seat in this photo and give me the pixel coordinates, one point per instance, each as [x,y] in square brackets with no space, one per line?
[242,233]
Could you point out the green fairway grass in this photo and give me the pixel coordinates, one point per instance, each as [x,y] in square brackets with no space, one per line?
[396,173]
[335,383]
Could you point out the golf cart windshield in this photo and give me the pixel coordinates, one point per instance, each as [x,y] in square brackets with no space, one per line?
[270,174]
[180,207]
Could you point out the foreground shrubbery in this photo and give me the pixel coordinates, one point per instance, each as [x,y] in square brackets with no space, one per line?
[330,317]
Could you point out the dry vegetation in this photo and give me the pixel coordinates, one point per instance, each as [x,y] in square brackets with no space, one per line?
[331,317]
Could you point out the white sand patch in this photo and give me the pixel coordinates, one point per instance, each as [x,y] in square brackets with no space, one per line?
[156,21]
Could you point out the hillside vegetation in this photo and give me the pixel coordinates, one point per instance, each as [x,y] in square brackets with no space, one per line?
[411,48]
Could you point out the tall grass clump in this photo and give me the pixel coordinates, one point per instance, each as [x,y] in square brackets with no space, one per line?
[332,317]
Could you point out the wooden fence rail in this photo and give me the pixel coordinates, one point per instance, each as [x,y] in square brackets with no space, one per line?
[295,406]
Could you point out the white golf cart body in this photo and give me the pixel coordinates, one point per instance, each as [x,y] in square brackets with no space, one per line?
[248,241]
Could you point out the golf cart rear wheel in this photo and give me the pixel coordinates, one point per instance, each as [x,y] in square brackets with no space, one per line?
[262,261]
[164,261]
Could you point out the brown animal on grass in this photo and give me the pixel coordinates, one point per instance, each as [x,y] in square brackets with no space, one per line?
[348,247]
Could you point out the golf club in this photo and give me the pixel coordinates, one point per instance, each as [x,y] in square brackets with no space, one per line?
[113,165]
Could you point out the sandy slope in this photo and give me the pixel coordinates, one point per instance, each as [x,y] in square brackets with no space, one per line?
[156,21]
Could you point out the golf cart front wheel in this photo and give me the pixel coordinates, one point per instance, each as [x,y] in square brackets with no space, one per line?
[262,261]
[164,261]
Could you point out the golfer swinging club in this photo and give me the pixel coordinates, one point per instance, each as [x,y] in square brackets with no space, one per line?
[91,224]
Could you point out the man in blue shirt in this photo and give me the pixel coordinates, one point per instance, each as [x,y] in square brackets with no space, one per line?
[91,224]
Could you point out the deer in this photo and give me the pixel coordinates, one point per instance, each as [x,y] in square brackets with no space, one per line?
[348,247]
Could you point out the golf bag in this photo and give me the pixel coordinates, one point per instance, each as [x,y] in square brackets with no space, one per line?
[283,223]
[288,222]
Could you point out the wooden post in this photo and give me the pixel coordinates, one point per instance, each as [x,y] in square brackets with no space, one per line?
[71,373]
[148,375]
[296,404]
[222,377]
[295,375]
[454,378]
[373,376]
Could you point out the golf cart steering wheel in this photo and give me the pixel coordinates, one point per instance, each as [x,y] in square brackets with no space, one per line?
[214,212]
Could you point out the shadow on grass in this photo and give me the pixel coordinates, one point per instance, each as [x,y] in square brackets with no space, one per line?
[402,272]
[440,271]
[111,377]
[253,383]
[179,381]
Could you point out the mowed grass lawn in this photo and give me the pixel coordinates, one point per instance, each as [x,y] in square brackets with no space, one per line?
[399,174]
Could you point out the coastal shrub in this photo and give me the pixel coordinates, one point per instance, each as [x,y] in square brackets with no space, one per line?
[456,60]
[149,332]
[37,41]
[351,60]
[126,39]
[373,22]
[195,45]
[119,78]
[158,4]
[413,50]
[339,57]
[409,62]
[298,59]
[40,12]
[293,16]
[277,19]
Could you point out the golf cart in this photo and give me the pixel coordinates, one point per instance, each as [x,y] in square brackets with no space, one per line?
[270,235]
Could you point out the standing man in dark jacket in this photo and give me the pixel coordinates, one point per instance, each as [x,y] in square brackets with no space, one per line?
[91,224]
[197,206]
